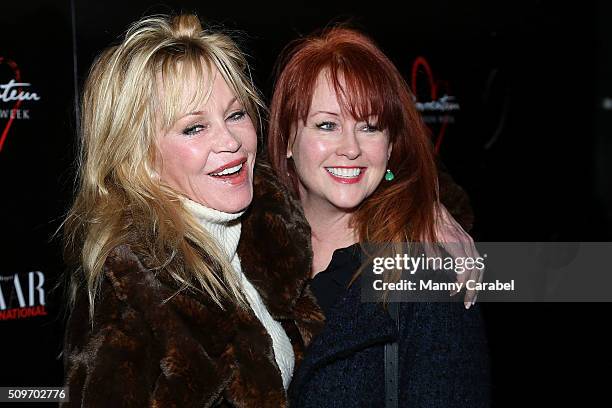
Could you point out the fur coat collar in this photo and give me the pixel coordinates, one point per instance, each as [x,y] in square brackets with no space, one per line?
[142,351]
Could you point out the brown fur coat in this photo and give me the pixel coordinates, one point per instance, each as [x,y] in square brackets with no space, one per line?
[188,352]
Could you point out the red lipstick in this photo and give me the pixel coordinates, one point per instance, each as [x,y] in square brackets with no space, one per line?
[347,180]
[234,179]
[233,163]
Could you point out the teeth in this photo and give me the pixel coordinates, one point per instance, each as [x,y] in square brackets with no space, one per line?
[230,170]
[343,172]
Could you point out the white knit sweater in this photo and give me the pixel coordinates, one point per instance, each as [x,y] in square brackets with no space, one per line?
[225,228]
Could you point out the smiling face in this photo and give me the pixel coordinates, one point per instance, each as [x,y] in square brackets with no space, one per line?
[208,154]
[339,160]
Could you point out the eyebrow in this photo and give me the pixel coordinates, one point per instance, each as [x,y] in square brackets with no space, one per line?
[231,102]
[196,113]
[326,112]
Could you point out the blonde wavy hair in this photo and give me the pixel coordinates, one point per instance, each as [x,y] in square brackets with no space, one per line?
[118,198]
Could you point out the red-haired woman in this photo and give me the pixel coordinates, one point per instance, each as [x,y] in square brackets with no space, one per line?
[346,137]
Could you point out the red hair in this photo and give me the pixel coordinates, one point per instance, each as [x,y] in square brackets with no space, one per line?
[367,83]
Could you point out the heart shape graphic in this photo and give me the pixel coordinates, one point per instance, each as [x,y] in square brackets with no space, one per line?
[17,74]
[434,86]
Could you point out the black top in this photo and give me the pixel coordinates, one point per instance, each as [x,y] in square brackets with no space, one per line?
[329,285]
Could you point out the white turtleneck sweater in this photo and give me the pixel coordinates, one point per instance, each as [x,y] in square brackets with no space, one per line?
[225,228]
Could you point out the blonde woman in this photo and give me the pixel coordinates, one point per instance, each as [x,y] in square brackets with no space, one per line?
[189,261]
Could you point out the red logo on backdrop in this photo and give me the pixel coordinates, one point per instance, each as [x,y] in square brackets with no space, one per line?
[22,295]
[433,99]
[12,94]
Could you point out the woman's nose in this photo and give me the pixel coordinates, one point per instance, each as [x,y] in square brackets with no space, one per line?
[349,147]
[227,141]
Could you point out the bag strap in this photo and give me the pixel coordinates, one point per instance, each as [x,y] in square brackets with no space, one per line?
[392,362]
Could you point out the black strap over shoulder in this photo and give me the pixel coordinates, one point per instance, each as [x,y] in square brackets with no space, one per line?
[392,363]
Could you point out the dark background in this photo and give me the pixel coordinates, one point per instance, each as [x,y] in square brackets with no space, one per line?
[531,145]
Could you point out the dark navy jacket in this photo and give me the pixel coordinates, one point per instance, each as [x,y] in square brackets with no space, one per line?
[443,356]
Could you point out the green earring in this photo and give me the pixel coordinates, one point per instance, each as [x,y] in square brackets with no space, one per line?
[389,176]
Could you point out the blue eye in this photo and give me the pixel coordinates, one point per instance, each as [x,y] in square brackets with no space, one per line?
[236,116]
[326,126]
[192,130]
[370,128]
